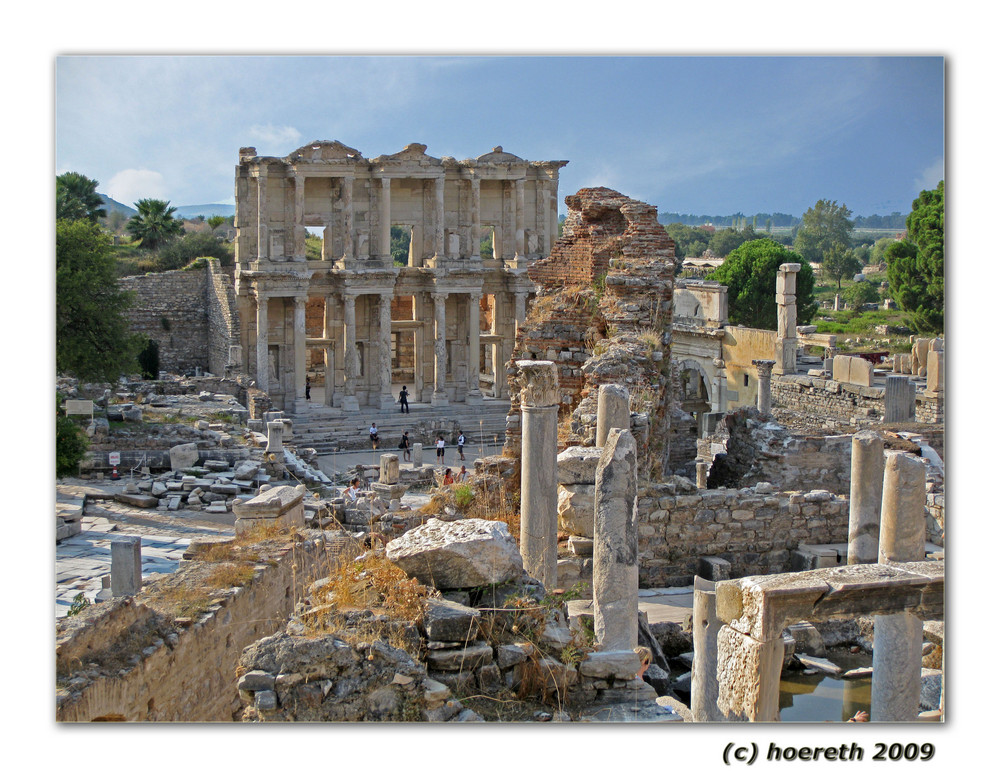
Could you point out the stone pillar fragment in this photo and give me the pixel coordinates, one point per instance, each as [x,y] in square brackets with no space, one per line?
[616,553]
[126,566]
[388,472]
[764,368]
[385,219]
[867,465]
[263,374]
[701,474]
[539,450]
[705,627]
[384,352]
[898,637]
[439,397]
[900,399]
[299,353]
[612,411]
[418,455]
[786,344]
[475,244]
[349,402]
[275,437]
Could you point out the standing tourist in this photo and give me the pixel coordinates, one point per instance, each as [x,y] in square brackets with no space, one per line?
[404,444]
[440,449]
[461,445]
[404,405]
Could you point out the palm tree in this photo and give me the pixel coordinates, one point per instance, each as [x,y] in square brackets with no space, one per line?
[77,198]
[155,224]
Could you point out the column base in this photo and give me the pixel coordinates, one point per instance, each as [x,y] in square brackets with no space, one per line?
[439,399]
[386,402]
[474,398]
[349,404]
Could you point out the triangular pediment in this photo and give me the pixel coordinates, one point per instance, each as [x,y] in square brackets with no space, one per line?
[325,151]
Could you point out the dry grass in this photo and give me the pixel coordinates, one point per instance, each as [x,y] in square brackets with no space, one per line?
[374,583]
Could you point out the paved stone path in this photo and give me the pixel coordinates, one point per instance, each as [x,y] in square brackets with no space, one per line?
[84,559]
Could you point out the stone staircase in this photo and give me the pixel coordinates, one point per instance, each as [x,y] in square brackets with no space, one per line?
[330,429]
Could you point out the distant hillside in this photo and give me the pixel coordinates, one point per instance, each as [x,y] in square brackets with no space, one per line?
[212,209]
[113,205]
[182,212]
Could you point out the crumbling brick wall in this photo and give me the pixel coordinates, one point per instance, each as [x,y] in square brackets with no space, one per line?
[223,318]
[603,312]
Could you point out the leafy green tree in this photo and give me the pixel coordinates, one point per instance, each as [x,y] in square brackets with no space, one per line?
[723,242]
[839,263]
[216,221]
[71,443]
[824,226]
[862,253]
[878,250]
[179,253]
[399,245]
[750,272]
[155,224]
[688,241]
[77,198]
[860,294]
[93,341]
[149,360]
[916,265]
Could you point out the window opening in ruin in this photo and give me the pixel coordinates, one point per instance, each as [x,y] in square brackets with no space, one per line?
[746,379]
[314,243]
[488,313]
[400,236]
[487,243]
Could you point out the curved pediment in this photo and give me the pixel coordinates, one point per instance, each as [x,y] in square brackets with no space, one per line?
[325,151]
[500,157]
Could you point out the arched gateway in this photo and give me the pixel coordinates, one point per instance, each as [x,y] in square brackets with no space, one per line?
[353,322]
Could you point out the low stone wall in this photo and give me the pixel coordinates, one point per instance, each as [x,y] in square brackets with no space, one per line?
[171,308]
[930,410]
[186,671]
[822,397]
[755,532]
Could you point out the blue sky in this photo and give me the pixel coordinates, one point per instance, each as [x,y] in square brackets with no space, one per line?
[695,134]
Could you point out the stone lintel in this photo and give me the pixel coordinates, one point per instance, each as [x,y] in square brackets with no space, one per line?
[270,504]
[761,606]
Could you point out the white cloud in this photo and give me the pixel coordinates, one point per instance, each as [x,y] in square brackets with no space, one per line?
[931,175]
[128,186]
[281,137]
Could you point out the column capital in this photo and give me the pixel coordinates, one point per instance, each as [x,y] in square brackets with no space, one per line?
[539,380]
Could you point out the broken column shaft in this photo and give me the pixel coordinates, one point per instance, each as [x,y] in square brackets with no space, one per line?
[539,489]
[616,554]
[899,637]
[867,466]
[612,411]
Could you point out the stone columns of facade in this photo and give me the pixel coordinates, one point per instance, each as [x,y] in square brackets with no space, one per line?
[439,217]
[385,219]
[519,217]
[440,397]
[329,353]
[900,399]
[867,466]
[263,250]
[347,225]
[474,241]
[299,252]
[384,351]
[299,351]
[764,367]
[705,631]
[474,395]
[612,411]
[126,566]
[787,337]
[899,637]
[539,450]
[349,402]
[263,373]
[616,552]
[520,299]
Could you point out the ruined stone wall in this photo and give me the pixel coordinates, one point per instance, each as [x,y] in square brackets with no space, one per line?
[171,308]
[930,410]
[755,532]
[189,674]
[223,317]
[824,398]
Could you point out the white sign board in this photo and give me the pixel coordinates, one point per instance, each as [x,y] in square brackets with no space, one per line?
[115,458]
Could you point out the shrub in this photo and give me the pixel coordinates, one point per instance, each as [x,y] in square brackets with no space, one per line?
[71,443]
[182,251]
